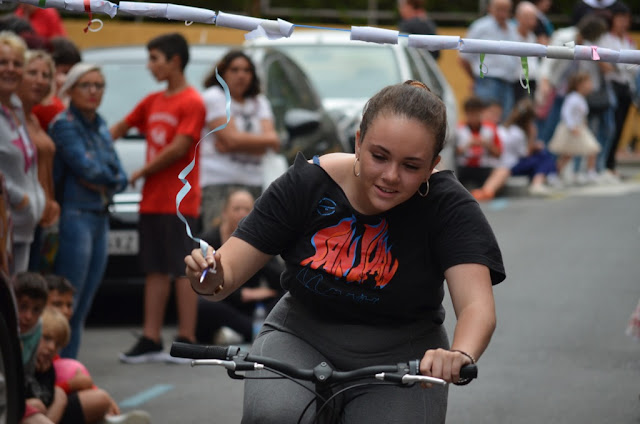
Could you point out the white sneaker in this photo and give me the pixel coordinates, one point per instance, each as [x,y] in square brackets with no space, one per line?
[133,417]
[539,190]
[608,177]
[555,182]
[593,177]
[227,336]
[581,179]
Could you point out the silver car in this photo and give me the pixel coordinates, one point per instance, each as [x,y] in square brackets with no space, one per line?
[347,73]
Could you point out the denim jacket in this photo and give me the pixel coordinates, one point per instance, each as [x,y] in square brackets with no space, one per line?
[85,157]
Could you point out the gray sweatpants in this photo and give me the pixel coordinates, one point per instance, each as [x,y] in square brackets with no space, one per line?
[291,334]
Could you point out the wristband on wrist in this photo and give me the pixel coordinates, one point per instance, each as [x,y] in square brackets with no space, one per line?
[464,381]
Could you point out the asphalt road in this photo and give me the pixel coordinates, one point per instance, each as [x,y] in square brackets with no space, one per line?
[559,354]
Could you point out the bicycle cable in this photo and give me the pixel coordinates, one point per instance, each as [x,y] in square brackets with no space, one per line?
[315,420]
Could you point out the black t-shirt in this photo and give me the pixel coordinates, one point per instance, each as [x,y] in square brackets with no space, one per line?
[41,385]
[381,269]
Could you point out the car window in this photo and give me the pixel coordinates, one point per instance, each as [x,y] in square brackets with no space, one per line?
[284,90]
[415,71]
[346,71]
[424,57]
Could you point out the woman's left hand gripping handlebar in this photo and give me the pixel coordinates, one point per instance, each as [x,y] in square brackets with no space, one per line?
[444,364]
[205,273]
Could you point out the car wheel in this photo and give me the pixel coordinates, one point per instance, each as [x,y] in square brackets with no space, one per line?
[9,382]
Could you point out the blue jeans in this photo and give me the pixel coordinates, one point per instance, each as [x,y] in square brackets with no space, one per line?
[488,88]
[82,259]
[602,124]
[547,126]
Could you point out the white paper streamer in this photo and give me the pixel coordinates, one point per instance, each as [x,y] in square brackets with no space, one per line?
[434,42]
[230,20]
[96,6]
[151,10]
[374,35]
[630,56]
[280,28]
[190,14]
[470,45]
[273,30]
[560,52]
[514,48]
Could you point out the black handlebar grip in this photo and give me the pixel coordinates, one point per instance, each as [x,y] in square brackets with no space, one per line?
[195,351]
[469,371]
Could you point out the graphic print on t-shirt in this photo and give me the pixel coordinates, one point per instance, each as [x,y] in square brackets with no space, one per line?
[354,251]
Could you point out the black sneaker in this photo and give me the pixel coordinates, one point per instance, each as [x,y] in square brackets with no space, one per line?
[145,350]
[175,360]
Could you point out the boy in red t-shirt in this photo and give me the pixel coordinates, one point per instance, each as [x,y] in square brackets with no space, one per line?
[171,120]
[478,146]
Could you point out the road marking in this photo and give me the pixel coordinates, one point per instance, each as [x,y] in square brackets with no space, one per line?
[498,204]
[146,395]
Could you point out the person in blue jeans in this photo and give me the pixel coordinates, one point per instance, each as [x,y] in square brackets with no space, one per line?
[87,173]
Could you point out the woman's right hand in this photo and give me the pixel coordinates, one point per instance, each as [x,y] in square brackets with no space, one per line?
[51,213]
[23,203]
[196,264]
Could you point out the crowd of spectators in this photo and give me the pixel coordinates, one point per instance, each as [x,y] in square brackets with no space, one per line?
[596,111]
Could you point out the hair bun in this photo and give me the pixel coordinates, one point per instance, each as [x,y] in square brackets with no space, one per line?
[418,84]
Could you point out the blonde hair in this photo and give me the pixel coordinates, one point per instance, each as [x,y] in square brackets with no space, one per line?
[10,39]
[54,321]
[32,55]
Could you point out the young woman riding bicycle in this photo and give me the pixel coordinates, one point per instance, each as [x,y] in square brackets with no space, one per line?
[368,240]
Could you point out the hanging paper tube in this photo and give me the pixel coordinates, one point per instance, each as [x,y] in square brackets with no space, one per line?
[95,6]
[468,45]
[560,52]
[273,30]
[434,42]
[190,14]
[514,48]
[608,55]
[151,10]
[230,20]
[374,35]
[630,56]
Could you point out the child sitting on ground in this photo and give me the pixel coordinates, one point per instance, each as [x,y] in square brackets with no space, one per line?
[42,393]
[30,290]
[73,377]
[523,154]
[478,146]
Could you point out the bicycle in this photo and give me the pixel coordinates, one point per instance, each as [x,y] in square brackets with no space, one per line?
[237,359]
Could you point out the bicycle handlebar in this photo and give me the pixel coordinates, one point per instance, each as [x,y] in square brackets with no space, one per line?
[234,358]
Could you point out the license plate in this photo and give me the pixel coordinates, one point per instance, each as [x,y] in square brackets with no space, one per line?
[123,242]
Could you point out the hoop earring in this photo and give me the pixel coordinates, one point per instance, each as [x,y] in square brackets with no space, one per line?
[426,192]
[357,174]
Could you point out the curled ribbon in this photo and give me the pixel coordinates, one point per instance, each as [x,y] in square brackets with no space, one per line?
[594,53]
[525,71]
[87,8]
[183,174]
[483,67]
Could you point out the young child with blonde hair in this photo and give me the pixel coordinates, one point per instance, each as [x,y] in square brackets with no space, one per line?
[572,137]
[73,377]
